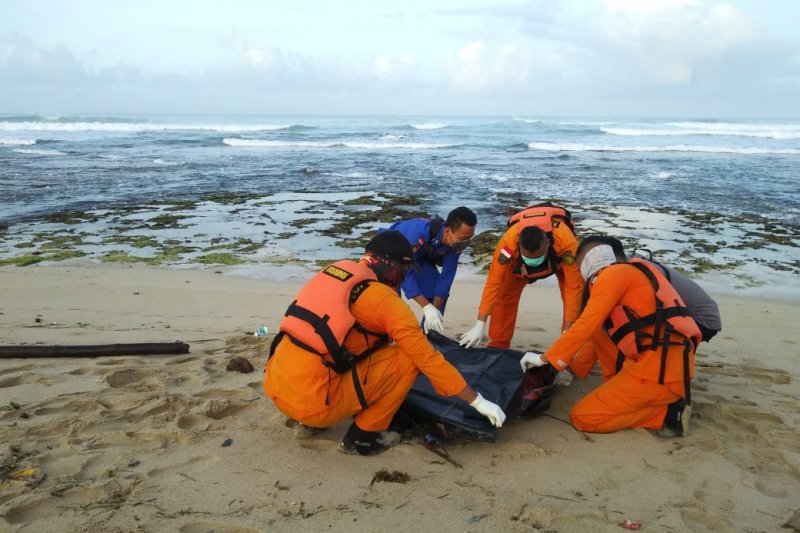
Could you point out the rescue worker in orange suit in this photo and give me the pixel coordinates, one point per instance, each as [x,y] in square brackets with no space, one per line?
[540,242]
[638,328]
[334,357]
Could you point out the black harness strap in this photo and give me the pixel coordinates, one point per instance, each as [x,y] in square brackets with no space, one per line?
[620,361]
[687,382]
[357,386]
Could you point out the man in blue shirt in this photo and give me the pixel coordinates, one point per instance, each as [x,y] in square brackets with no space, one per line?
[437,245]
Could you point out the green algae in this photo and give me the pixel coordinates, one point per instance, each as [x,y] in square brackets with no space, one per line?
[134,241]
[218,259]
[38,257]
[166,221]
[120,256]
[229,198]
[70,217]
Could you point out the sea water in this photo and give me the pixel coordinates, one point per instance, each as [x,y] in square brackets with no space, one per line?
[736,168]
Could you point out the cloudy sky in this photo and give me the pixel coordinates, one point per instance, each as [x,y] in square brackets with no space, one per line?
[697,58]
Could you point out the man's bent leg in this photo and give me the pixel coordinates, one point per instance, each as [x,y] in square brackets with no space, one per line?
[622,402]
[386,397]
[385,378]
[504,314]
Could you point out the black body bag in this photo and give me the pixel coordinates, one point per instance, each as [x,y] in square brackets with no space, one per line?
[493,372]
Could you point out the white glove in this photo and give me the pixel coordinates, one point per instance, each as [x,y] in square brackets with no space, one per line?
[531,360]
[434,321]
[490,410]
[475,335]
[564,378]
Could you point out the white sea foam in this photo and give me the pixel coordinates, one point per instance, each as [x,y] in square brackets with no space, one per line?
[37,151]
[428,126]
[735,126]
[17,142]
[163,163]
[661,175]
[577,147]
[136,127]
[392,137]
[526,120]
[780,134]
[258,143]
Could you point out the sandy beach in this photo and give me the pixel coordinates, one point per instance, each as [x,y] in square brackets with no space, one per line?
[138,443]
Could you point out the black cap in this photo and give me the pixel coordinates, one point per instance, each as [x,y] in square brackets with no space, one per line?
[392,245]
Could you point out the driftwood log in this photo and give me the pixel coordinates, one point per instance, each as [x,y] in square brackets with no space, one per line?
[94,350]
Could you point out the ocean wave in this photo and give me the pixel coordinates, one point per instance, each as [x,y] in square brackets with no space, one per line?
[37,151]
[576,147]
[140,127]
[258,143]
[526,120]
[17,142]
[427,126]
[762,133]
[164,163]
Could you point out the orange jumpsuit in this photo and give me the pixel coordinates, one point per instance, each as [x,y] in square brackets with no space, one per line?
[299,383]
[633,397]
[503,288]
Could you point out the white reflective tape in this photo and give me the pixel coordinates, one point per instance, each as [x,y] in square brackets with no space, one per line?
[561,364]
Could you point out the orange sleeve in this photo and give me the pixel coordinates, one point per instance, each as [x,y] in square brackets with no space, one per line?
[379,308]
[584,361]
[609,287]
[572,283]
[498,271]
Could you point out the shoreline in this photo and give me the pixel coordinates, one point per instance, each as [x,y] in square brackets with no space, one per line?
[292,234]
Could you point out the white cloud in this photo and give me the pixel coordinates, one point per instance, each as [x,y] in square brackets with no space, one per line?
[22,61]
[393,68]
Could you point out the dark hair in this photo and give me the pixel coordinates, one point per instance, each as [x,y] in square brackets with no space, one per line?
[613,242]
[531,238]
[461,215]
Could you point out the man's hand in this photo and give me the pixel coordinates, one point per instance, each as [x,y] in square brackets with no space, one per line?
[474,336]
[434,321]
[490,410]
[531,360]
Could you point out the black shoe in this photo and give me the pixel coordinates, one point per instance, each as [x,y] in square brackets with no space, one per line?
[676,423]
[358,441]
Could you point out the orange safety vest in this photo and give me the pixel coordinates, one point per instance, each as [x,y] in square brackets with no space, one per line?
[540,215]
[320,320]
[670,324]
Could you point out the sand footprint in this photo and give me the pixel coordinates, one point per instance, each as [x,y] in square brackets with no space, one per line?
[36,508]
[700,521]
[17,369]
[24,379]
[126,376]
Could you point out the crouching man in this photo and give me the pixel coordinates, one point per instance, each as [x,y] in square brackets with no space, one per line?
[349,346]
[639,329]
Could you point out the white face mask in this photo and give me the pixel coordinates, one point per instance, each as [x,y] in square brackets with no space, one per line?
[595,259]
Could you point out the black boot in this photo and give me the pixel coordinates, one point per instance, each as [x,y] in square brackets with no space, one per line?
[358,441]
[676,423]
